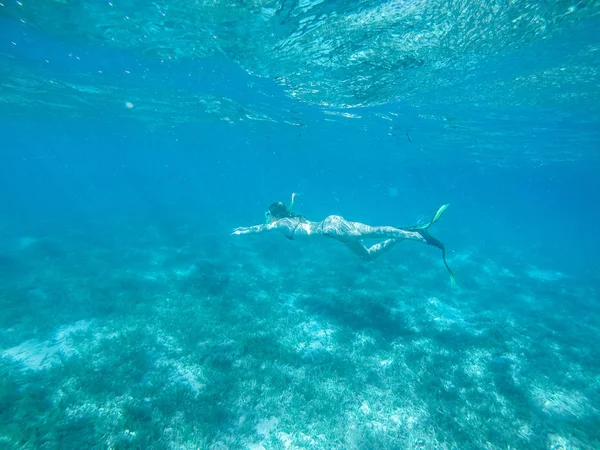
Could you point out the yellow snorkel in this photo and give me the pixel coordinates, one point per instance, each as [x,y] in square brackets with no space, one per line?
[292,202]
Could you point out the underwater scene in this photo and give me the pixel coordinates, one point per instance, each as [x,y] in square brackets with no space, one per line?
[300,224]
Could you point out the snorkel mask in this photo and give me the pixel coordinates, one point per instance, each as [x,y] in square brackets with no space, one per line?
[284,213]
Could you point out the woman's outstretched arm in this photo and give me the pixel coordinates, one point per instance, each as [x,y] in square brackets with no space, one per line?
[255,229]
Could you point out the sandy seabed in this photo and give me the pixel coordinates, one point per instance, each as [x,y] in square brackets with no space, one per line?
[227,343]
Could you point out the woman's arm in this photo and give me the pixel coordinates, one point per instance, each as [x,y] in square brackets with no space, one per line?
[255,229]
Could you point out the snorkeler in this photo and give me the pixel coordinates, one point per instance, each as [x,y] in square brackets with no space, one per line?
[292,226]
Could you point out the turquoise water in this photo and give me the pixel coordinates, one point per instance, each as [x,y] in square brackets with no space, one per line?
[137,135]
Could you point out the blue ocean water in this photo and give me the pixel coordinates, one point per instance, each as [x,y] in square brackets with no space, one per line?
[137,136]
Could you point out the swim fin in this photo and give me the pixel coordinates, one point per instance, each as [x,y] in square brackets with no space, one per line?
[436,217]
[430,240]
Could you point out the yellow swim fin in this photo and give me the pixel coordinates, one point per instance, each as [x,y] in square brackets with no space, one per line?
[436,217]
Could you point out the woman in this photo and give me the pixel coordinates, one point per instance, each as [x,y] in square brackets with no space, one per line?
[293,226]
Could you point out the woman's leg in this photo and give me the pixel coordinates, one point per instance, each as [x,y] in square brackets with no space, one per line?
[339,228]
[367,231]
[376,250]
[352,234]
[372,252]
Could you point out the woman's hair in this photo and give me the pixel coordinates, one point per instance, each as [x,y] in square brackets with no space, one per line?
[278,211]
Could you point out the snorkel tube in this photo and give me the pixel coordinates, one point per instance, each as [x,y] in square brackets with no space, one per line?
[292,202]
